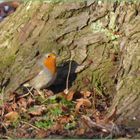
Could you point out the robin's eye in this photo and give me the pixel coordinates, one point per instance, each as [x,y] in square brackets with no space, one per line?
[49,56]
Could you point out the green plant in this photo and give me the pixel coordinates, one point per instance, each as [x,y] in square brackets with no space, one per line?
[44,124]
[56,111]
[71,125]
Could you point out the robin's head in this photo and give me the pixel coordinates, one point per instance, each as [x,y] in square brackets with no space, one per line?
[50,62]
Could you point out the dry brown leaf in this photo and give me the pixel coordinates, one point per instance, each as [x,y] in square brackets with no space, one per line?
[87,120]
[30,101]
[14,106]
[12,116]
[104,119]
[105,127]
[86,94]
[41,134]
[22,103]
[80,131]
[82,102]
[23,110]
[57,127]
[1,111]
[7,107]
[96,116]
[70,95]
[37,110]
[65,119]
[48,93]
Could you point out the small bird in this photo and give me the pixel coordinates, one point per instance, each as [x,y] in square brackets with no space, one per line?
[47,74]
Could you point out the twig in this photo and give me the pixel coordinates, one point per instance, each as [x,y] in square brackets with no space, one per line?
[67,80]
[2,99]
[6,137]
[30,125]
[105,127]
[23,95]
[94,104]
[92,124]
[29,91]
[54,96]
[4,127]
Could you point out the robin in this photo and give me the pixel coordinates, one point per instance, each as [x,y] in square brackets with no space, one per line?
[47,74]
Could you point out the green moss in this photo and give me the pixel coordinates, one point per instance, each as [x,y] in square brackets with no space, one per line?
[97,78]
[7,61]
[97,27]
[56,1]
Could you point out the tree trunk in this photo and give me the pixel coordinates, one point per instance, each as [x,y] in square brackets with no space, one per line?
[100,38]
[127,98]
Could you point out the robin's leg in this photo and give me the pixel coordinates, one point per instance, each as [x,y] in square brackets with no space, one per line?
[27,85]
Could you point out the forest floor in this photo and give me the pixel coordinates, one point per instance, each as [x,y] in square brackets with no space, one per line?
[73,115]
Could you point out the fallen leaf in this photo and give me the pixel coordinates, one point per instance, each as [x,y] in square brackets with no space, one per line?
[85,93]
[65,108]
[48,93]
[37,110]
[70,95]
[14,106]
[82,102]
[12,116]
[80,131]
[91,124]
[30,101]
[104,127]
[65,119]
[22,103]
[23,110]
[41,134]
[57,127]
[7,107]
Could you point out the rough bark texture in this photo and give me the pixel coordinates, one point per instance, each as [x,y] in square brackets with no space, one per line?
[101,39]
[127,99]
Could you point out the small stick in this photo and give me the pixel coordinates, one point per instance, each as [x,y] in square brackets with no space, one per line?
[29,91]
[4,126]
[2,95]
[30,125]
[67,81]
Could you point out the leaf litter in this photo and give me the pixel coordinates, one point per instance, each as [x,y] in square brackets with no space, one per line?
[72,115]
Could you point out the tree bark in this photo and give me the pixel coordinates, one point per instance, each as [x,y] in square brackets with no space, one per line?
[127,98]
[101,39]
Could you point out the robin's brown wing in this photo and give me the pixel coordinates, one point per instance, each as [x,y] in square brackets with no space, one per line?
[35,69]
[24,74]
